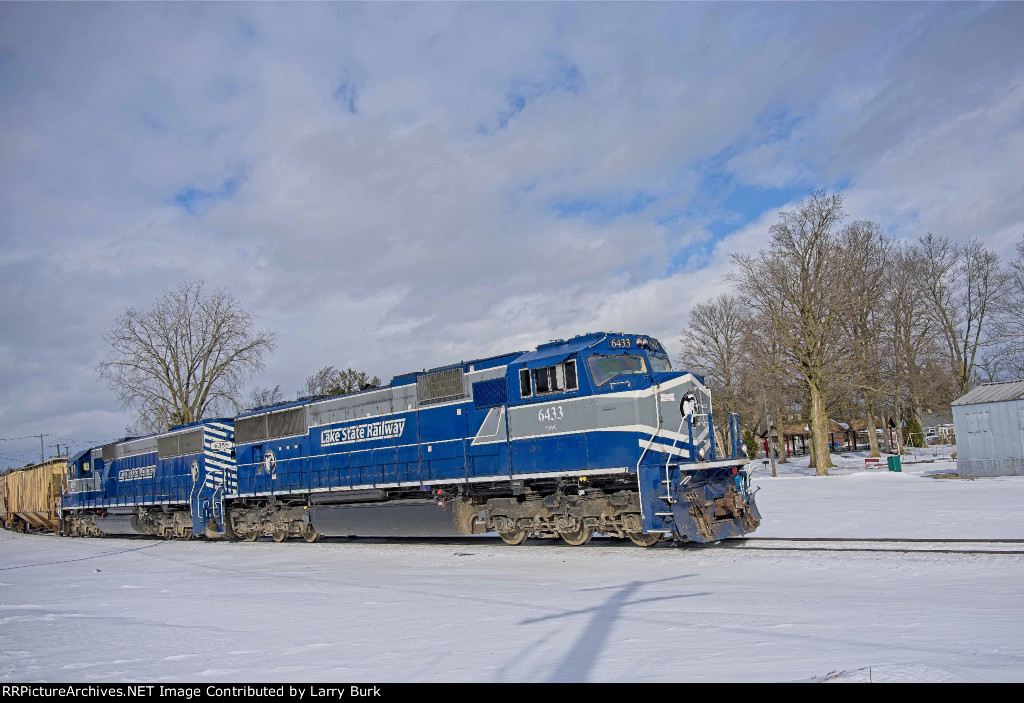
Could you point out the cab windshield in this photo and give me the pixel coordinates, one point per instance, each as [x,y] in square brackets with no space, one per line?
[605,368]
[660,363]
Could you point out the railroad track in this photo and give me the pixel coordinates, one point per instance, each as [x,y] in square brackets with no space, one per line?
[878,544]
[783,544]
[788,544]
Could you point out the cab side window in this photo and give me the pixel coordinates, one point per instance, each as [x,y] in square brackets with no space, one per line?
[525,389]
[549,379]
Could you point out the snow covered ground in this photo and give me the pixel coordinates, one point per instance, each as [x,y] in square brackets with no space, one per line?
[475,609]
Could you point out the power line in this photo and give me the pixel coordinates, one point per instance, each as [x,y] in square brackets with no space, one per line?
[11,458]
[64,441]
[62,438]
[22,451]
[71,440]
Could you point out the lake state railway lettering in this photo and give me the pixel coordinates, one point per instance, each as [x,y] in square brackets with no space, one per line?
[382,429]
[136,474]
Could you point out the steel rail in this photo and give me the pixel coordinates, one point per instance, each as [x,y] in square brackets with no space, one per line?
[805,546]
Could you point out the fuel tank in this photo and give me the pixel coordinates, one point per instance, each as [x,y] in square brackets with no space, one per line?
[405,518]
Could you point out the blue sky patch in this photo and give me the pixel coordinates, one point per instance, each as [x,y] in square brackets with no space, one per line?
[777,124]
[742,205]
[602,210]
[564,77]
[246,28]
[345,95]
[196,201]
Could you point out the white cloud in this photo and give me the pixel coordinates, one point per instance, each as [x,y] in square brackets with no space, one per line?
[422,227]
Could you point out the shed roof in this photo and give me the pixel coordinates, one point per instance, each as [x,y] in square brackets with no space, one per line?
[834,426]
[992,393]
[861,423]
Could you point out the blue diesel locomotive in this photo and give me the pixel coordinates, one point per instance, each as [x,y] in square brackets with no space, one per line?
[168,485]
[591,434]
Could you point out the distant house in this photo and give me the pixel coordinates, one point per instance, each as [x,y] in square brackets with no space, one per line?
[989,423]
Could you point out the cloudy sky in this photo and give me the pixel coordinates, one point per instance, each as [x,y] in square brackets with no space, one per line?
[394,186]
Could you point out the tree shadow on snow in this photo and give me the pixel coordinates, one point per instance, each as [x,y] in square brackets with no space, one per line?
[581,656]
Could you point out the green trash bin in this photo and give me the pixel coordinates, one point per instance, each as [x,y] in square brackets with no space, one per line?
[894,463]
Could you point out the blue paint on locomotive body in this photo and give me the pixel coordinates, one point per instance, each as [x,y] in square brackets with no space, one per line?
[189,465]
[601,404]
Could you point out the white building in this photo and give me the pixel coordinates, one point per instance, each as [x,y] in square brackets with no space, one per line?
[989,424]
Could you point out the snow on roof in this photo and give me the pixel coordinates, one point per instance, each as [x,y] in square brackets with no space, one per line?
[992,393]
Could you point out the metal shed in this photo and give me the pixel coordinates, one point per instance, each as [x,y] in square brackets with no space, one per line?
[989,424]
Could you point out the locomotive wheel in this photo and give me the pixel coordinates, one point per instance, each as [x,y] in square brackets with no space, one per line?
[280,534]
[513,538]
[643,540]
[579,537]
[309,533]
[252,535]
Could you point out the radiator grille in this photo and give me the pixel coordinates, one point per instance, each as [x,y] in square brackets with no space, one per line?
[145,445]
[180,444]
[440,386]
[190,442]
[287,422]
[167,446]
[251,429]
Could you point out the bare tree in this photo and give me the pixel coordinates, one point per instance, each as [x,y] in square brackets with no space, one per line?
[187,355]
[261,397]
[915,368]
[798,283]
[867,254]
[322,382]
[350,381]
[1007,361]
[330,381]
[962,285]
[711,347]
[765,384]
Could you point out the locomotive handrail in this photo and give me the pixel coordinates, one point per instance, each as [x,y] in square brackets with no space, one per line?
[639,483]
[711,437]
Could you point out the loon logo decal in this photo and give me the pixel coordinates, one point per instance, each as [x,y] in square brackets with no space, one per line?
[269,462]
[382,429]
[688,404]
[195,470]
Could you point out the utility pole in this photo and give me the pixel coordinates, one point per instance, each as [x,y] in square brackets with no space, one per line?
[41,458]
